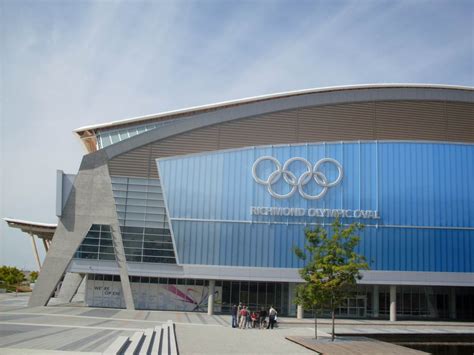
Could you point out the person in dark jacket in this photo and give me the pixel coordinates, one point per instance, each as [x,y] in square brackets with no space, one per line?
[234,316]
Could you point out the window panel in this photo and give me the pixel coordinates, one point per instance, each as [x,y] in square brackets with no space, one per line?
[95,227]
[157,231]
[130,244]
[155,252]
[119,180]
[136,202]
[155,203]
[135,194]
[107,250]
[132,230]
[135,258]
[83,255]
[155,224]
[90,241]
[157,245]
[105,235]
[138,188]
[137,181]
[154,196]
[154,189]
[93,234]
[156,210]
[132,237]
[87,248]
[136,209]
[118,193]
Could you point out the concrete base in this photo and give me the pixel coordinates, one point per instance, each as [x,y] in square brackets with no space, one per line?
[69,286]
[299,312]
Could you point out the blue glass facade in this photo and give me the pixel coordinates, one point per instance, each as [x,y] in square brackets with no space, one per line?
[421,192]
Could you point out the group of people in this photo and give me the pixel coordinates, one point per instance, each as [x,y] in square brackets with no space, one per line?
[243,318]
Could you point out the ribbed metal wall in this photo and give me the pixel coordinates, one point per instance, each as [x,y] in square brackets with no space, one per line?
[443,121]
[422,191]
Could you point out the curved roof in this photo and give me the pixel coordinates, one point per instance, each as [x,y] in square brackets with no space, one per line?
[42,230]
[327,95]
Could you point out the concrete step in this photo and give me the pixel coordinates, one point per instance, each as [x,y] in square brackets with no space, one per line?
[148,341]
[135,343]
[158,341]
[173,346]
[165,341]
[118,346]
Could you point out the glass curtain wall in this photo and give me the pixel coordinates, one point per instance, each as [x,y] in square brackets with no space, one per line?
[255,295]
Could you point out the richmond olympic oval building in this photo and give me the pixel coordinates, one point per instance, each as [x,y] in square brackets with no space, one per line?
[198,209]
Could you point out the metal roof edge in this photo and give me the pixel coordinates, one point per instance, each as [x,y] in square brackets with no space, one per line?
[77,131]
[31,223]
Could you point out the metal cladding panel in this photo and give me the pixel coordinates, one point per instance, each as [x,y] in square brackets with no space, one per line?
[371,120]
[422,193]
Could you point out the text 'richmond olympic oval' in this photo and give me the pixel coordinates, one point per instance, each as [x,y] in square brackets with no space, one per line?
[297,183]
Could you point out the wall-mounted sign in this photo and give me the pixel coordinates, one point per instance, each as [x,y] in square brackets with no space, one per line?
[313,212]
[297,183]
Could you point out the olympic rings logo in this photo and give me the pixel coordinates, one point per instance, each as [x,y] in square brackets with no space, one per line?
[294,182]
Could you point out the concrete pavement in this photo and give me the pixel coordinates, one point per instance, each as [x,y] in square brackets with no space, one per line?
[79,328]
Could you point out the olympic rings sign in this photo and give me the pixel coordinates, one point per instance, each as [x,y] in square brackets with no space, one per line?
[294,182]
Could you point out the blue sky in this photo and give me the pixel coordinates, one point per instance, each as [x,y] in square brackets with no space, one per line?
[67,64]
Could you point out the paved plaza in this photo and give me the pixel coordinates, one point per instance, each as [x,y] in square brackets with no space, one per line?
[84,329]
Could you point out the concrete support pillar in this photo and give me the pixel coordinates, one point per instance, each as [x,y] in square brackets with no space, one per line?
[375,302]
[210,299]
[35,251]
[452,303]
[122,264]
[299,312]
[69,286]
[393,303]
[45,244]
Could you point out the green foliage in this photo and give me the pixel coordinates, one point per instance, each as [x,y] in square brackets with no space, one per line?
[332,266]
[10,275]
[33,276]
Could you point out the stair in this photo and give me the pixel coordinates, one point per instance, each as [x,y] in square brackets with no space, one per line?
[158,341]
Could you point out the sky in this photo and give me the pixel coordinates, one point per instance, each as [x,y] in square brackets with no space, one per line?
[66,64]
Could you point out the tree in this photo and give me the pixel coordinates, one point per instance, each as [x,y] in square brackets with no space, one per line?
[10,275]
[332,268]
[33,276]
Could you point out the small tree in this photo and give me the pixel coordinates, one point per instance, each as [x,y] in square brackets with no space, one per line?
[33,276]
[11,275]
[332,268]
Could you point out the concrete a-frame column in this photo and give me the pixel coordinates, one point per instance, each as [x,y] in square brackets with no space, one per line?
[210,297]
[375,302]
[91,201]
[393,303]
[35,251]
[45,244]
[122,264]
[69,287]
[299,312]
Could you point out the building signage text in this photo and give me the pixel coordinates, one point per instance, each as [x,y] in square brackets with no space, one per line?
[313,212]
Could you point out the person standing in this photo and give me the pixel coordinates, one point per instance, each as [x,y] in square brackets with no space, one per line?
[263,316]
[243,318]
[234,316]
[271,317]
[239,308]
